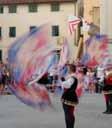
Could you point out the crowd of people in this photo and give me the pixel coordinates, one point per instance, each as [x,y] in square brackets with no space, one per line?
[5,77]
[91,78]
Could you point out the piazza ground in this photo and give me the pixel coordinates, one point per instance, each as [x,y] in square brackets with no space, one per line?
[14,114]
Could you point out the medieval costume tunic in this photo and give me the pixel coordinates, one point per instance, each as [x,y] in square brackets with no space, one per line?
[69,99]
[69,95]
[107,89]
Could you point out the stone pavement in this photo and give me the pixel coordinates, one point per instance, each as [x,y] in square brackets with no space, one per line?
[14,114]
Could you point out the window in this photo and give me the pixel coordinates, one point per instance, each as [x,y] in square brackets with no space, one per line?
[32,28]
[0,32]
[33,8]
[55,30]
[12,8]
[12,31]
[96,16]
[55,7]
[1,9]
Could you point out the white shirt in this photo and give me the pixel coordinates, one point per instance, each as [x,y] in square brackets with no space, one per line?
[100,73]
[68,82]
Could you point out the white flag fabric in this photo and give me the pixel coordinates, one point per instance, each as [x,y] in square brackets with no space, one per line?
[85,26]
[73,21]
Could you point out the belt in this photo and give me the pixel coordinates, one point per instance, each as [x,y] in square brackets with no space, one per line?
[70,103]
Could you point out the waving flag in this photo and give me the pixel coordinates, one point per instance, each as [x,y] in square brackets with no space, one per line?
[96,50]
[31,55]
[73,21]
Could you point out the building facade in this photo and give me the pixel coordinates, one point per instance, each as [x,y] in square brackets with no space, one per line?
[106,18]
[99,12]
[20,16]
[92,12]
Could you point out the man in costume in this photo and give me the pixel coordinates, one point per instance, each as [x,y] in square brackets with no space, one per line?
[69,97]
[107,89]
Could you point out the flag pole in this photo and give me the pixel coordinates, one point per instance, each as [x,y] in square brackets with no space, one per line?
[80,48]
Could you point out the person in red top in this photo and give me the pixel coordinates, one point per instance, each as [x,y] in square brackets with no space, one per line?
[107,89]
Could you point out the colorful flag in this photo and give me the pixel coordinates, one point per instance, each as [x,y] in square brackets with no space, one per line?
[73,21]
[96,50]
[31,55]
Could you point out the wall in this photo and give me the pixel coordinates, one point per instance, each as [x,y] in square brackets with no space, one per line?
[23,20]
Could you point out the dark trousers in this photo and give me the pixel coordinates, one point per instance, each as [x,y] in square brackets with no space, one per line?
[69,116]
[108,99]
